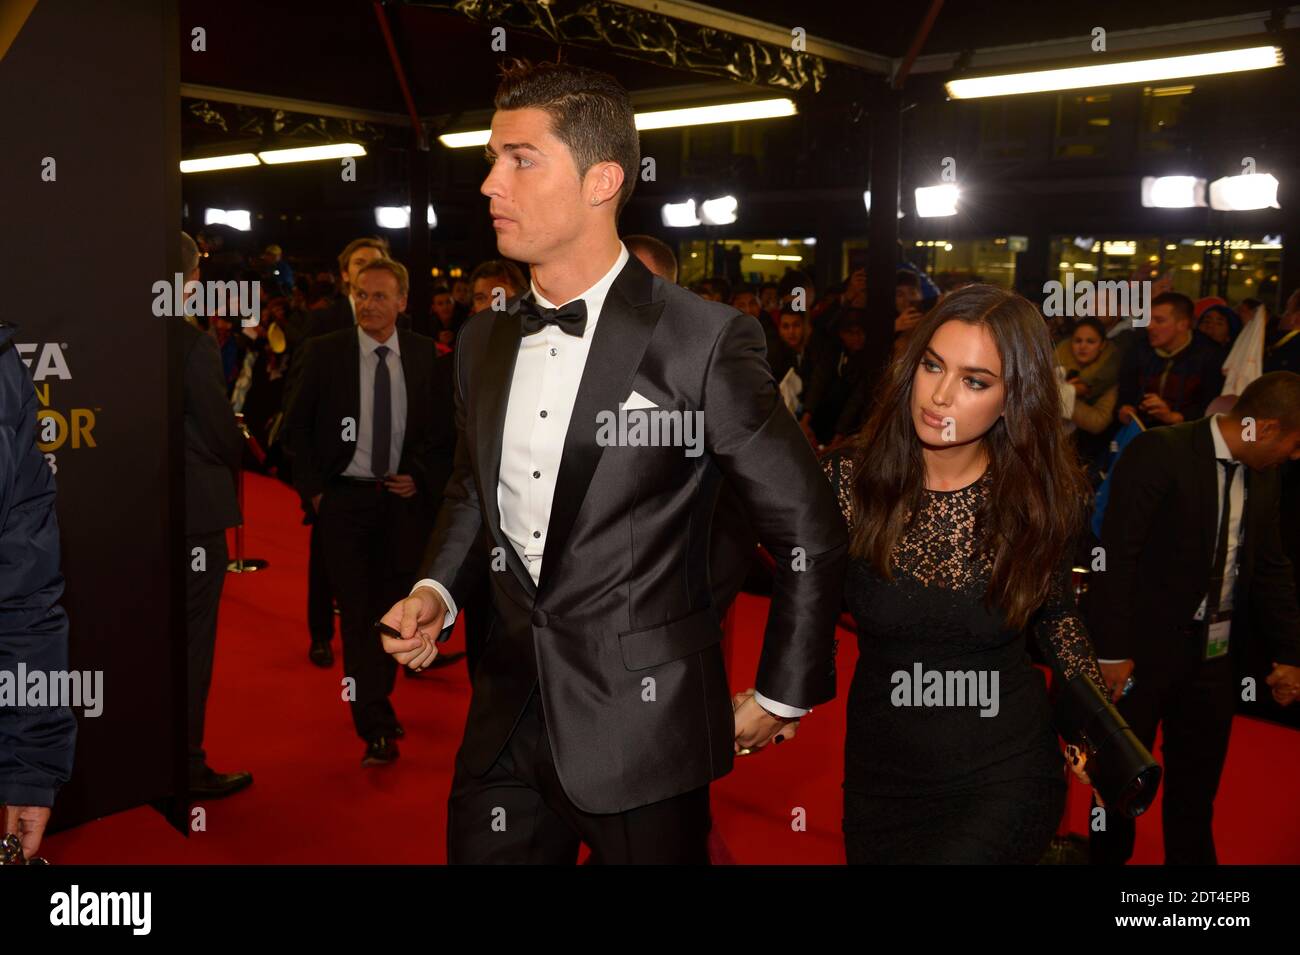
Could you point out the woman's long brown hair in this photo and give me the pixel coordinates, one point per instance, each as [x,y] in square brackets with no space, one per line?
[1038,493]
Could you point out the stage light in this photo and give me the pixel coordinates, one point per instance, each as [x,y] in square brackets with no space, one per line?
[934,201]
[209,163]
[680,215]
[311,153]
[1244,193]
[399,217]
[1172,192]
[240,219]
[1114,74]
[719,211]
[665,119]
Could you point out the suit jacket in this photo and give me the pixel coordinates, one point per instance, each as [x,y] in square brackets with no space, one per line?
[214,445]
[619,635]
[329,390]
[1159,535]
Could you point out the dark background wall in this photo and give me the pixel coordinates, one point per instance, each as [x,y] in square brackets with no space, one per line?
[94,86]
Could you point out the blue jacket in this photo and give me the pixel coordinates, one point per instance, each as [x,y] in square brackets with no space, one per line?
[36,743]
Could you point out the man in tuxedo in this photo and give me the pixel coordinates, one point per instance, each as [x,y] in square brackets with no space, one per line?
[601,709]
[214,447]
[1194,562]
[372,437]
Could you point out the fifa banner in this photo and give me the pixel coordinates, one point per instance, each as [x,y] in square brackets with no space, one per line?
[90,223]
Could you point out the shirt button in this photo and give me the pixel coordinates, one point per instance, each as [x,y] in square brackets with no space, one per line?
[537,533]
[537,474]
[554,351]
[543,414]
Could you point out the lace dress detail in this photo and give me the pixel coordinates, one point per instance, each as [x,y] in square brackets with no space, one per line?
[937,549]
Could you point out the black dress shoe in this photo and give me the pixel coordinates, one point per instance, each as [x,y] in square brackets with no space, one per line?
[207,784]
[380,751]
[321,654]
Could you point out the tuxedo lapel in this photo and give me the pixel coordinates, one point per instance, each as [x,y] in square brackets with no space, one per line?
[627,321]
[1205,476]
[493,389]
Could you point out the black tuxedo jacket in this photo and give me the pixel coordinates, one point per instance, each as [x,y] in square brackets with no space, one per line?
[620,635]
[1159,534]
[214,445]
[329,390]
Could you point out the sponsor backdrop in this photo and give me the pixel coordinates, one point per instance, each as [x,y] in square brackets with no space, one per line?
[91,206]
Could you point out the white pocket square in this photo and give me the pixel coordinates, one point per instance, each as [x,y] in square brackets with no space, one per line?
[635,400]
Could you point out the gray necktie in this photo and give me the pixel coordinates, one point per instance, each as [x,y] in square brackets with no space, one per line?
[381,432]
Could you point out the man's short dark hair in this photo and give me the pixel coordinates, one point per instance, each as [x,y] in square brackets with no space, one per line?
[657,251]
[1273,396]
[590,113]
[500,269]
[1180,303]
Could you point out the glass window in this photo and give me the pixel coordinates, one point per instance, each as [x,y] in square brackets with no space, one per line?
[1163,108]
[1082,125]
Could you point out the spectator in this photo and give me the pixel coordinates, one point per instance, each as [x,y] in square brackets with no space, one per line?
[838,375]
[1091,368]
[445,322]
[654,254]
[1282,346]
[1171,375]
[492,275]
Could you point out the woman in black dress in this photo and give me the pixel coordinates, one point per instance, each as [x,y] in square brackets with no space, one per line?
[962,499]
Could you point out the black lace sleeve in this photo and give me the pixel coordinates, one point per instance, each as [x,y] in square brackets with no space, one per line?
[838,468]
[1061,634]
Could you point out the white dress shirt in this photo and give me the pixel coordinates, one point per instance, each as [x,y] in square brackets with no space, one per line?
[548,371]
[363,455]
[1237,501]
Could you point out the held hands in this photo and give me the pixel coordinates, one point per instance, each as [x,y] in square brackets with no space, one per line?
[403,485]
[1285,681]
[755,726]
[419,619]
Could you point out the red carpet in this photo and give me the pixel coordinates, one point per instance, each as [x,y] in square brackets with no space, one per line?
[275,714]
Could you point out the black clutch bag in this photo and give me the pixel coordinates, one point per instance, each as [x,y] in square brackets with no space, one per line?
[1120,767]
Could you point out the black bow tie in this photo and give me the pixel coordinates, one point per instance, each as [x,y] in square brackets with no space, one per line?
[572,318]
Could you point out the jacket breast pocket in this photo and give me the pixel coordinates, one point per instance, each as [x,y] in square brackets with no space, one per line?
[652,646]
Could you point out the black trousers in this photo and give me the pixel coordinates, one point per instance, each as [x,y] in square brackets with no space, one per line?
[518,812]
[1196,708]
[362,529]
[320,600]
[202,598]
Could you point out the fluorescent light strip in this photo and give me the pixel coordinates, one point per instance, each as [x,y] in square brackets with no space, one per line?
[1112,74]
[311,153]
[665,119]
[210,163]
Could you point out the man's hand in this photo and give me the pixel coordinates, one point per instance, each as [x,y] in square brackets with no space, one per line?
[419,619]
[1125,414]
[1285,681]
[28,823]
[1116,675]
[908,319]
[755,726]
[403,485]
[1159,409]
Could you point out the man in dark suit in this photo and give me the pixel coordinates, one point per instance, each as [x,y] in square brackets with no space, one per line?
[213,450]
[1194,562]
[601,710]
[372,438]
[36,742]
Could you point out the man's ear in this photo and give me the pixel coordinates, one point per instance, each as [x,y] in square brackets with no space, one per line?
[604,180]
